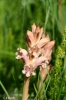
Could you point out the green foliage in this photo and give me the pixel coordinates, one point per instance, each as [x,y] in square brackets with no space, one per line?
[16,17]
[58,73]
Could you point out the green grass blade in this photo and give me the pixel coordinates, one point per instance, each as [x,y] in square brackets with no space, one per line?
[4,90]
[61,87]
[46,20]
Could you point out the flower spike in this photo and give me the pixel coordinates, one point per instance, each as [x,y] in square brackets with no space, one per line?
[39,51]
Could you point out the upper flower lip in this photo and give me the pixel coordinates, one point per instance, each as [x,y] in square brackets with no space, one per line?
[50,45]
[30,39]
[47,49]
[42,42]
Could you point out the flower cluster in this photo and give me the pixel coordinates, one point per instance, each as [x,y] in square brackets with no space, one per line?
[39,51]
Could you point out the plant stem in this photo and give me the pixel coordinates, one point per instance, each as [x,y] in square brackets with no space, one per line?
[44,72]
[25,89]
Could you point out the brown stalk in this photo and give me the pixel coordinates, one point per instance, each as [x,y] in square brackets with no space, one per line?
[25,89]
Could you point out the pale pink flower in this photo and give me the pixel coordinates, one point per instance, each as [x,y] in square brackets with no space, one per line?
[36,37]
[31,63]
[36,40]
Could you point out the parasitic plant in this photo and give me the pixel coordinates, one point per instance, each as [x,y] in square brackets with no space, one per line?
[38,55]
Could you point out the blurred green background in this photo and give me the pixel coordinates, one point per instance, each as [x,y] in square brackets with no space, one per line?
[16,17]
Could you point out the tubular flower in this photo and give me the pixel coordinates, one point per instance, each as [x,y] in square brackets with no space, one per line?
[39,51]
[46,52]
